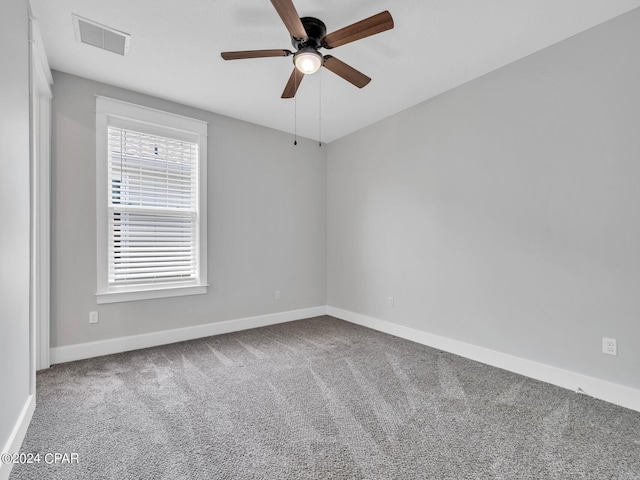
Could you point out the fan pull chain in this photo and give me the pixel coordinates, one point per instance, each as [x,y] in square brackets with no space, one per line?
[320,111]
[295,110]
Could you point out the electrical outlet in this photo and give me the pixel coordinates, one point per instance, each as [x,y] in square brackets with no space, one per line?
[278,295]
[391,302]
[93,317]
[609,346]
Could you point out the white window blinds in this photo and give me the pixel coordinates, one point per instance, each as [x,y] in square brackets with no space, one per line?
[152,209]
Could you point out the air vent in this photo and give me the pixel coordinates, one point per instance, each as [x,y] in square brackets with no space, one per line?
[101,36]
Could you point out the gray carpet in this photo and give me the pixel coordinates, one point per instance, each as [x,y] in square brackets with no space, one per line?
[318,399]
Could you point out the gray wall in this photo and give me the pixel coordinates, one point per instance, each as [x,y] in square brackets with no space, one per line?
[266,223]
[504,213]
[14,202]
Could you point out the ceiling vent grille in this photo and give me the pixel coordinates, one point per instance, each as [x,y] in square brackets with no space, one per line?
[100,36]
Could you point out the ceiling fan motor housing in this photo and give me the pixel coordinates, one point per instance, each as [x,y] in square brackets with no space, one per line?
[316,31]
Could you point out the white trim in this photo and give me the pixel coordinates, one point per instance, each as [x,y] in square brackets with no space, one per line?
[123,344]
[40,131]
[36,38]
[43,238]
[14,442]
[611,392]
[110,111]
[151,116]
[164,292]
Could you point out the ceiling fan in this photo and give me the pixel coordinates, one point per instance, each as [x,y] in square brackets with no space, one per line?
[308,34]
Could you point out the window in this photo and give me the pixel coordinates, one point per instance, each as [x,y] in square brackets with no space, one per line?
[151,203]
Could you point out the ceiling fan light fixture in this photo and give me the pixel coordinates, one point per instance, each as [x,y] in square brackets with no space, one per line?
[307,60]
[308,35]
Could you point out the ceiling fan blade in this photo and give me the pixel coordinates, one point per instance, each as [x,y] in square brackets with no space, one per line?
[345,71]
[290,18]
[293,84]
[254,54]
[364,28]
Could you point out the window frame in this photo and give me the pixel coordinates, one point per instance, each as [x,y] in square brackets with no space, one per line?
[148,120]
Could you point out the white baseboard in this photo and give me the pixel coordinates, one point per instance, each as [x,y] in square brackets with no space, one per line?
[601,389]
[14,441]
[81,351]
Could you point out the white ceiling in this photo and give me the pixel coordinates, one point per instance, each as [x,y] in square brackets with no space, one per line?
[435,46]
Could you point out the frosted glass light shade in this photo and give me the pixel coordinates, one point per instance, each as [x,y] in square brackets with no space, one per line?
[308,61]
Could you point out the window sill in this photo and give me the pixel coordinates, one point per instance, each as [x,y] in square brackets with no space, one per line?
[166,292]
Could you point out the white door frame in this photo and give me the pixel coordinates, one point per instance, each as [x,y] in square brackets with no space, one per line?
[40,117]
